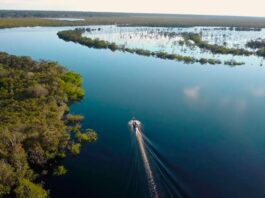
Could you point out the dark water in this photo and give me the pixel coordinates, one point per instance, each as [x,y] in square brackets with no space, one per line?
[205,123]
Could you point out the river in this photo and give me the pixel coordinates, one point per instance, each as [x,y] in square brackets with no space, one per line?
[204,125]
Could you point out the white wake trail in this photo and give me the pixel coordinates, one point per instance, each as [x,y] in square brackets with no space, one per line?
[149,173]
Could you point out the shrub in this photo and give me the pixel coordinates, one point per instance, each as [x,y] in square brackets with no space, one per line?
[59,170]
[37,91]
[75,149]
[261,52]
[203,61]
[113,47]
[74,118]
[27,189]
[89,136]
[7,178]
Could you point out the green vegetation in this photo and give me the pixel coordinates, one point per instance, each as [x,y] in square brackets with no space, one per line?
[27,189]
[34,131]
[75,148]
[256,44]
[15,18]
[215,49]
[185,59]
[32,22]
[233,63]
[60,170]
[74,118]
[89,136]
[213,61]
[261,52]
[203,61]
[76,36]
[74,92]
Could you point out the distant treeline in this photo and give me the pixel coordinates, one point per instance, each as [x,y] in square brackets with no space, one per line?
[261,52]
[33,22]
[238,29]
[137,19]
[35,124]
[76,36]
[245,29]
[58,14]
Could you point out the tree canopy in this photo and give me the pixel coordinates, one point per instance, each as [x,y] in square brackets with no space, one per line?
[34,99]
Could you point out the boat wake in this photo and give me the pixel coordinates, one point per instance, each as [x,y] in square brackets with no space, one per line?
[136,126]
[162,182]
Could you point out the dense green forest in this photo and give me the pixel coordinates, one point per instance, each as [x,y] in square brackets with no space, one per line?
[59,14]
[32,22]
[35,123]
[76,36]
[135,19]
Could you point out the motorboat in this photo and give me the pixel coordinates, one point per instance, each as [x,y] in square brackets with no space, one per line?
[135,123]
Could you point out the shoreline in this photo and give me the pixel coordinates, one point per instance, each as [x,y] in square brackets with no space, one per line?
[36,128]
[76,36]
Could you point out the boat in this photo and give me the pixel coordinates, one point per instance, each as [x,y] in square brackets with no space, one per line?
[135,123]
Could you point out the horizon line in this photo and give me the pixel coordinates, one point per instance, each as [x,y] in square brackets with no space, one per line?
[123,12]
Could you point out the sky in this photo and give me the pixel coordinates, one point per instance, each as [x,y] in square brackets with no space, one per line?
[212,7]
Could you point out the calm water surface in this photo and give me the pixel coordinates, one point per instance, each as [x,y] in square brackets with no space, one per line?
[205,123]
[167,40]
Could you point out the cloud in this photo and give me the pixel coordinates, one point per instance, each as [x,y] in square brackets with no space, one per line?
[192,93]
[258,92]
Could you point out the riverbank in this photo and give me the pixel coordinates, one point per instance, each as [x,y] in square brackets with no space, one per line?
[35,123]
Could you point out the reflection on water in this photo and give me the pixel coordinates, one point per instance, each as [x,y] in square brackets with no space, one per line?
[192,92]
[168,40]
[258,91]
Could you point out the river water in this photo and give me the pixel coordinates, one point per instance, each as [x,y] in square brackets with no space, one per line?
[203,125]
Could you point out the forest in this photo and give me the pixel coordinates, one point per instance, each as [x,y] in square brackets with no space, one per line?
[19,18]
[36,124]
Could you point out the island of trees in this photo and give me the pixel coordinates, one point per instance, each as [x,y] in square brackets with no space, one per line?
[35,123]
[76,36]
[257,44]
[215,49]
